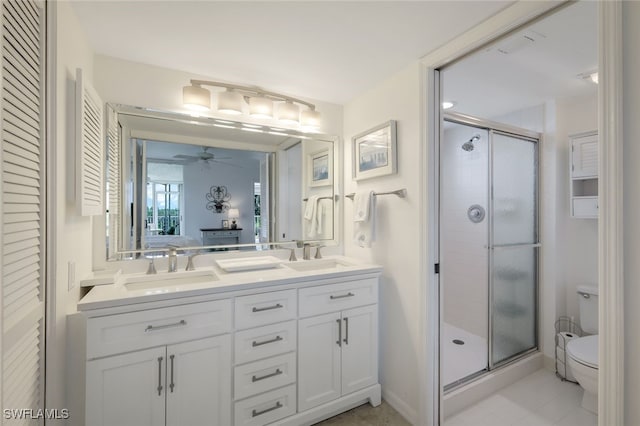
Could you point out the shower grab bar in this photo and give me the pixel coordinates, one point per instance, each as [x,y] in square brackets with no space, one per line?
[399,192]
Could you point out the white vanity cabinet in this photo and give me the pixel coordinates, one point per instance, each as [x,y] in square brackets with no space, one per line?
[291,353]
[188,381]
[337,351]
[166,366]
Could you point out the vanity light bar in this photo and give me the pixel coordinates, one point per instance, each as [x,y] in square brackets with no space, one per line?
[259,102]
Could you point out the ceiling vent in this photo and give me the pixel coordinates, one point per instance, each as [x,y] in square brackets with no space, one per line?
[517,42]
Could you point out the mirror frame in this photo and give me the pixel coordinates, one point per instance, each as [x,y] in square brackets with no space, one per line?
[113,174]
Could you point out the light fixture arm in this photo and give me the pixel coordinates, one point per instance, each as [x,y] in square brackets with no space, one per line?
[256,91]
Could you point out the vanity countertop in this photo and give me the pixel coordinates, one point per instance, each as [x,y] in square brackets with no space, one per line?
[210,279]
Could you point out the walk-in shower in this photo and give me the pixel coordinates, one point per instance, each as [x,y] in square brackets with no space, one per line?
[488,246]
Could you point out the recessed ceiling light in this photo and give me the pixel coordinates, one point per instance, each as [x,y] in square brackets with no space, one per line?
[594,77]
[448,104]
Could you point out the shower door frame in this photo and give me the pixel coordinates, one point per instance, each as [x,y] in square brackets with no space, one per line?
[526,135]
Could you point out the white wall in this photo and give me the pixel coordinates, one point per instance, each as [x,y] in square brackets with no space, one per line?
[133,83]
[72,239]
[397,245]
[577,238]
[239,182]
[631,107]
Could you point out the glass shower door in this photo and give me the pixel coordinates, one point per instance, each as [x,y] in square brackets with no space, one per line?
[514,245]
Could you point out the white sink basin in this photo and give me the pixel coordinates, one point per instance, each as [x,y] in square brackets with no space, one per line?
[318,265]
[167,279]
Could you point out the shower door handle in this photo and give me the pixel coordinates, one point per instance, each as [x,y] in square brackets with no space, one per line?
[514,246]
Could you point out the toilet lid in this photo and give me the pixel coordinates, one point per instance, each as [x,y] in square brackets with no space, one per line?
[584,350]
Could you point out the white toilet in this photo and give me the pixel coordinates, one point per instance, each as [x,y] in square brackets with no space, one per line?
[583,352]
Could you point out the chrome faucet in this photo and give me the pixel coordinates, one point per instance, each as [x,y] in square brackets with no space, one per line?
[173,259]
[306,249]
[190,265]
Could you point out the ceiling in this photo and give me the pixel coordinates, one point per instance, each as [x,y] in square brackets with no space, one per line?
[325,50]
[536,64]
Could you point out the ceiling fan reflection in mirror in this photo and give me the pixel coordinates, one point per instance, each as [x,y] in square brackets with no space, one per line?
[205,157]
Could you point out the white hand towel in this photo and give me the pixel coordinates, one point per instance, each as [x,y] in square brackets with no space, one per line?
[364,231]
[361,203]
[311,215]
[319,217]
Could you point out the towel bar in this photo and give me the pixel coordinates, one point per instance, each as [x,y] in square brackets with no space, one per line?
[399,192]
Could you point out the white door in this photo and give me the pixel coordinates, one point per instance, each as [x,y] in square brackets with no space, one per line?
[199,382]
[319,343]
[127,390]
[359,348]
[584,156]
[22,204]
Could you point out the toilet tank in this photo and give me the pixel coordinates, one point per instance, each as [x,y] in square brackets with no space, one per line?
[588,305]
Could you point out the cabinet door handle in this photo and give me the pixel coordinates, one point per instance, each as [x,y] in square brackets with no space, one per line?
[267,308]
[159,388]
[256,413]
[346,331]
[339,342]
[332,297]
[266,376]
[160,327]
[172,384]
[266,342]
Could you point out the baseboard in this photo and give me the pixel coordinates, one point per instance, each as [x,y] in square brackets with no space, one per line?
[333,408]
[549,363]
[400,406]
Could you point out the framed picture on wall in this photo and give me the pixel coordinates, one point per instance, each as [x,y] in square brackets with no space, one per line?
[320,165]
[374,152]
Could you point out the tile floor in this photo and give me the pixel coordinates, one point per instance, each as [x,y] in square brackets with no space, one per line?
[366,415]
[540,399]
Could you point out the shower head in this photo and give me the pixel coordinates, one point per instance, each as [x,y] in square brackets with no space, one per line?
[468,145]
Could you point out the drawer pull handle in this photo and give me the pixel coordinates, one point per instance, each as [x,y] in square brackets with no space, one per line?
[266,342]
[256,413]
[172,385]
[346,331]
[160,327]
[267,308]
[159,388]
[332,297]
[275,373]
[339,341]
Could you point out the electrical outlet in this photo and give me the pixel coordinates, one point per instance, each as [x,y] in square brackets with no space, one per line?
[71,275]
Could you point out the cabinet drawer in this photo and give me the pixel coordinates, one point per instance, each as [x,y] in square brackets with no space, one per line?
[336,297]
[585,207]
[262,342]
[265,308]
[144,329]
[219,234]
[266,408]
[264,375]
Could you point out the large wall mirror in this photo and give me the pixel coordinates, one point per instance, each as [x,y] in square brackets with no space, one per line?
[196,182]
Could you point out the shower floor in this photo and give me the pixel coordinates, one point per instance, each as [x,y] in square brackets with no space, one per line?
[460,361]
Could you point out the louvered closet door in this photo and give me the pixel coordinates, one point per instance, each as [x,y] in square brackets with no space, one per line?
[22,205]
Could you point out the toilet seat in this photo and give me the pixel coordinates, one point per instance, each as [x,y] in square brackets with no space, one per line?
[584,350]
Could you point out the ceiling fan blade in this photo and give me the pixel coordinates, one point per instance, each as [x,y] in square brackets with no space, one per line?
[227,164]
[186,157]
